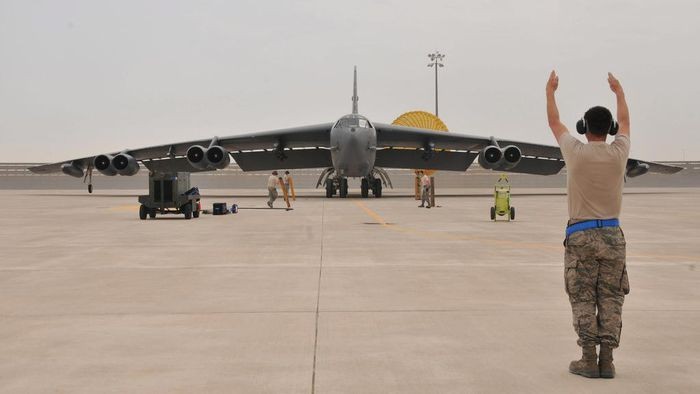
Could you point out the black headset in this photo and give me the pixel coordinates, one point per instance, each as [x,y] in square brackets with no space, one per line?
[582,127]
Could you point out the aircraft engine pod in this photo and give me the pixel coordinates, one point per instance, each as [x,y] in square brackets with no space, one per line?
[196,157]
[125,164]
[218,157]
[511,157]
[72,169]
[103,164]
[215,157]
[491,157]
[637,169]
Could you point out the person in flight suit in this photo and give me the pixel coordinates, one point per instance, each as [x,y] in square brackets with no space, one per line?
[595,271]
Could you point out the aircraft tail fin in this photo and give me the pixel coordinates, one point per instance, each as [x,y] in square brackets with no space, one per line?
[355,99]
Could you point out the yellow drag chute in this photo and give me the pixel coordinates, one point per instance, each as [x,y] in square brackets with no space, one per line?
[422,120]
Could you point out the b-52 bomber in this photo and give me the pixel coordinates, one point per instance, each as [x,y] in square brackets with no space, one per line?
[351,147]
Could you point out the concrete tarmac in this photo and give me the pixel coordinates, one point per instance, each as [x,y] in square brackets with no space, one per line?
[336,296]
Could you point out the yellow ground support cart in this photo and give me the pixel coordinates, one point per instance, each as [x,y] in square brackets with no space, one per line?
[501,194]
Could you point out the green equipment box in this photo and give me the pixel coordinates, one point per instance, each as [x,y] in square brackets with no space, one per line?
[170,193]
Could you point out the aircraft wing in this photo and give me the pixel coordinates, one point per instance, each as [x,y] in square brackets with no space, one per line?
[253,151]
[403,147]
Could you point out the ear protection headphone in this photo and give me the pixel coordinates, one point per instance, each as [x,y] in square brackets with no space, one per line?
[582,127]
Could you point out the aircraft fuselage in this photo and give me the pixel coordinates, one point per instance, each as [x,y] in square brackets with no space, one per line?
[353,146]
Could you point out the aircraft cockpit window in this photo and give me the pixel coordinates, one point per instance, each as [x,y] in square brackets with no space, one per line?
[353,122]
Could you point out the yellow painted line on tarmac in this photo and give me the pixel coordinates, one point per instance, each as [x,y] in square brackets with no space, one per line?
[498,242]
[371,213]
[447,236]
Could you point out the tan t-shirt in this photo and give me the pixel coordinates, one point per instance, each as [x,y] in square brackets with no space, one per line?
[272,182]
[595,176]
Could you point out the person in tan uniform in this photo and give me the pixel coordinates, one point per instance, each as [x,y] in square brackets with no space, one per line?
[594,263]
[425,190]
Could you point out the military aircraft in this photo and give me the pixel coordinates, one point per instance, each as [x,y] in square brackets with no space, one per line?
[351,147]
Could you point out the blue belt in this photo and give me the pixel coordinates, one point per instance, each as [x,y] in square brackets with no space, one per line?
[589,224]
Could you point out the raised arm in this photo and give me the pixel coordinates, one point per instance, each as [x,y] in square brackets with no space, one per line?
[623,113]
[558,128]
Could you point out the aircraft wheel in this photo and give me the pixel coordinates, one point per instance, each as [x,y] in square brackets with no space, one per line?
[493,213]
[187,210]
[90,188]
[377,188]
[512,213]
[364,188]
[143,212]
[195,214]
[152,213]
[343,188]
[329,188]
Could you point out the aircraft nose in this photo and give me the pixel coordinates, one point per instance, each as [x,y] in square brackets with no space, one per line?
[357,137]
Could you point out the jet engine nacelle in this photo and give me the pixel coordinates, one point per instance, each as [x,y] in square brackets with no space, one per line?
[103,164]
[511,157]
[214,157]
[637,169]
[491,157]
[125,164]
[218,157]
[495,158]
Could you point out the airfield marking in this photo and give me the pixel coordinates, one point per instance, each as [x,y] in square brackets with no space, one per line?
[454,237]
[432,234]
[514,244]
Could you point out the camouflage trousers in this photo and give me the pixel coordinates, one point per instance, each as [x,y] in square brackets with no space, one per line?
[425,195]
[596,281]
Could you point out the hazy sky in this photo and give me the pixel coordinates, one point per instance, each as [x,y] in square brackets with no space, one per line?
[79,78]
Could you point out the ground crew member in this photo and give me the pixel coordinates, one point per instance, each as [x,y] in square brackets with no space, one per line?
[272,188]
[595,272]
[285,180]
[425,190]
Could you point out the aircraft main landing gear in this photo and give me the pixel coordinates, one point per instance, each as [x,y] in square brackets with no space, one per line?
[343,187]
[339,185]
[330,188]
[375,181]
[377,187]
[375,184]
[88,178]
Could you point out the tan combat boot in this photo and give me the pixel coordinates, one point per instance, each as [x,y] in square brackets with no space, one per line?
[606,366]
[588,364]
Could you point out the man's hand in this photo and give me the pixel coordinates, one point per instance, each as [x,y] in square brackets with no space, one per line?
[552,83]
[623,113]
[558,128]
[615,85]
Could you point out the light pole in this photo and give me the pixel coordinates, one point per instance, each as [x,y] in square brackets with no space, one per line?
[435,61]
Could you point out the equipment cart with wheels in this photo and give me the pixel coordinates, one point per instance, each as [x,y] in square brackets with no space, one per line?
[501,194]
[170,193]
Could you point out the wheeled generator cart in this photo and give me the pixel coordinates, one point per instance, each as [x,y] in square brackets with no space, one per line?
[501,194]
[170,193]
